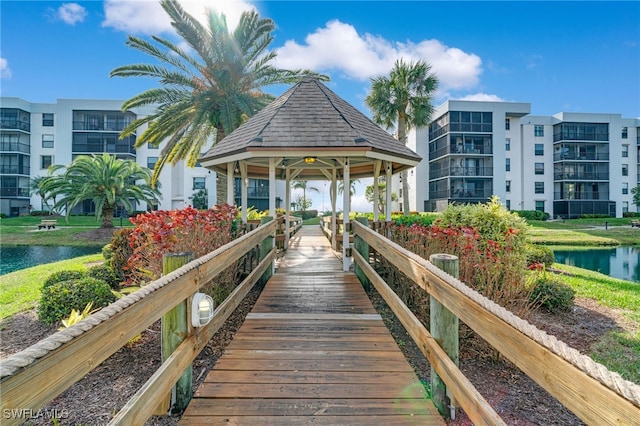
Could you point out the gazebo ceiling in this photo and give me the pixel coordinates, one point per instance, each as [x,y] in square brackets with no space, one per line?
[311,122]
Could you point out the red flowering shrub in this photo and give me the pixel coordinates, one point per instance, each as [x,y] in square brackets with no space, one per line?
[176,231]
[492,256]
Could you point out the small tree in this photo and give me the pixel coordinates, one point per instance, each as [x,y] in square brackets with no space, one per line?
[302,184]
[636,195]
[382,196]
[200,199]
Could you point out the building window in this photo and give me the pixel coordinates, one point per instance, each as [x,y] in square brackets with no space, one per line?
[507,144]
[538,130]
[507,164]
[625,132]
[151,162]
[540,206]
[539,187]
[539,168]
[47,141]
[507,123]
[625,207]
[508,204]
[198,183]
[625,151]
[507,186]
[46,161]
[149,146]
[625,188]
[625,170]
[47,120]
[539,149]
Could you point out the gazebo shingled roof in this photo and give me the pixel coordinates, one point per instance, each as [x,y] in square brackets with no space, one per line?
[309,120]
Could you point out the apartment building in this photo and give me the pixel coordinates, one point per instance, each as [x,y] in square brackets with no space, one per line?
[567,164]
[34,136]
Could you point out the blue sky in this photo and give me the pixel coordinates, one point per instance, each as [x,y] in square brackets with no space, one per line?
[577,56]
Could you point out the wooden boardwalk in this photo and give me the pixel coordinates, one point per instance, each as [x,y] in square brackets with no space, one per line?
[312,351]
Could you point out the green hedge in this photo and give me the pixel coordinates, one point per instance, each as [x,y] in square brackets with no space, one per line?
[59,299]
[532,214]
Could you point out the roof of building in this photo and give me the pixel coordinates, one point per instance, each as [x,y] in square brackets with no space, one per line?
[309,120]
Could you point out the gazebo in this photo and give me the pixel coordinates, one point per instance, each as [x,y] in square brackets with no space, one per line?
[309,133]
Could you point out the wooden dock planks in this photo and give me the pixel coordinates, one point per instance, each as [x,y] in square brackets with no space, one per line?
[312,351]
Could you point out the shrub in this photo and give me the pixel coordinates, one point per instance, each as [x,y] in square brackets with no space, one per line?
[3,216]
[532,214]
[60,276]
[186,230]
[594,216]
[415,218]
[631,214]
[539,254]
[58,300]
[106,274]
[121,251]
[107,252]
[551,294]
[40,213]
[306,214]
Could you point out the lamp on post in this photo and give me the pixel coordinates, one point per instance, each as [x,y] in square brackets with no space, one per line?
[202,308]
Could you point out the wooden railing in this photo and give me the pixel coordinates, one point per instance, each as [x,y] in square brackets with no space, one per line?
[33,377]
[586,388]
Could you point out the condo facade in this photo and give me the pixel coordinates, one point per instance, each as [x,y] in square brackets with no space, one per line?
[567,164]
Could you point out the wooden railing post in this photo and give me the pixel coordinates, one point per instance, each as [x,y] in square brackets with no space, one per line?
[444,328]
[265,247]
[362,247]
[175,328]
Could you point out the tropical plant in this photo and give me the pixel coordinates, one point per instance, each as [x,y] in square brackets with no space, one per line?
[104,179]
[76,316]
[304,203]
[37,185]
[352,187]
[636,195]
[404,99]
[206,94]
[200,199]
[382,196]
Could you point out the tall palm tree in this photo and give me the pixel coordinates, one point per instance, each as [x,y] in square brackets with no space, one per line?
[107,181]
[302,184]
[352,187]
[36,187]
[205,95]
[404,98]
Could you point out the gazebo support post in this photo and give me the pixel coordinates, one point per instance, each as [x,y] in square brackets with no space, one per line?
[287,207]
[272,200]
[244,182]
[346,208]
[376,190]
[388,192]
[334,222]
[230,182]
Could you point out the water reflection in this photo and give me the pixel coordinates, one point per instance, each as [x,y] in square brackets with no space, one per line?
[21,257]
[619,262]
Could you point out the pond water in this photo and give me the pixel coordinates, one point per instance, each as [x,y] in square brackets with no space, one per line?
[21,257]
[619,262]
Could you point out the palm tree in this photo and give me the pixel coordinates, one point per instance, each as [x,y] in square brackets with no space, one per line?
[207,95]
[107,181]
[404,98]
[636,195]
[36,187]
[382,196]
[302,184]
[352,187]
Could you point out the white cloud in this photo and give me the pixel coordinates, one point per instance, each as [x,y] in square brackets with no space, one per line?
[71,13]
[5,71]
[485,97]
[148,17]
[338,46]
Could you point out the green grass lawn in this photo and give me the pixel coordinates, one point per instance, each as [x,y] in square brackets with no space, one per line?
[24,231]
[617,350]
[20,290]
[589,232]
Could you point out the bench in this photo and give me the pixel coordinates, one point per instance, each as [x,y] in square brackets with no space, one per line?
[635,223]
[47,223]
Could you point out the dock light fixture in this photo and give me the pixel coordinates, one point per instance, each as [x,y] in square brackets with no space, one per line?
[309,160]
[202,308]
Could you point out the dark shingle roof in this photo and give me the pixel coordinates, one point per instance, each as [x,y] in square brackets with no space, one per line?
[309,116]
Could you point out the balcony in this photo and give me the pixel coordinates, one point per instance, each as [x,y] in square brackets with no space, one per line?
[581,195]
[15,147]
[461,150]
[575,156]
[15,124]
[15,170]
[109,126]
[591,176]
[461,171]
[14,192]
[461,194]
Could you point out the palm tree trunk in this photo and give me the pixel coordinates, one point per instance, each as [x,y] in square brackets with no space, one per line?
[221,188]
[107,217]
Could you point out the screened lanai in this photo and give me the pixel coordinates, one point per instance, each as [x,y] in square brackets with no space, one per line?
[309,133]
